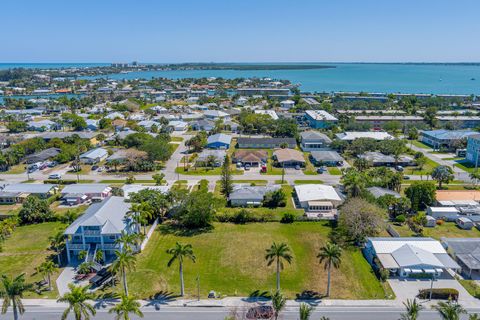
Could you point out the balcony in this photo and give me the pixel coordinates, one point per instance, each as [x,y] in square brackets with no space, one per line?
[91,232]
[78,246]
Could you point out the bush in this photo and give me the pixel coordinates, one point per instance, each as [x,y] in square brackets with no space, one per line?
[439,293]
[400,219]
[288,218]
[64,182]
[440,222]
[242,216]
[237,216]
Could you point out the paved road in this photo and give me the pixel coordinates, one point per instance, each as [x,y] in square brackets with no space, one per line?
[177,313]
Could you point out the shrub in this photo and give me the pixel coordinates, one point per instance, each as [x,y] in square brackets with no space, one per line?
[64,182]
[440,222]
[234,216]
[400,219]
[439,293]
[241,217]
[288,218]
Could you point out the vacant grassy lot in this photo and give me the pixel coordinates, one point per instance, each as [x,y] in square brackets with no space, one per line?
[447,229]
[203,171]
[309,167]
[334,171]
[16,169]
[308,182]
[26,249]
[230,260]
[426,170]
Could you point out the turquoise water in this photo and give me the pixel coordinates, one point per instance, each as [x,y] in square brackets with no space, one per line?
[389,78]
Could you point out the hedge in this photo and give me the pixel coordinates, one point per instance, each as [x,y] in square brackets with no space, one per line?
[439,293]
[60,181]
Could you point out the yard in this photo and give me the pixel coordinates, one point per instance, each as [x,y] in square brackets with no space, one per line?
[419,144]
[447,230]
[465,165]
[26,249]
[204,171]
[230,260]
[426,170]
[16,169]
[309,167]
[334,171]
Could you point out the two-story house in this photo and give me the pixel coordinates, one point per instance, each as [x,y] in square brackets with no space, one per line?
[314,141]
[98,229]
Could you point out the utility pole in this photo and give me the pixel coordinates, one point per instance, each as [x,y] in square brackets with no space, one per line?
[178,172]
[198,288]
[431,286]
[283,173]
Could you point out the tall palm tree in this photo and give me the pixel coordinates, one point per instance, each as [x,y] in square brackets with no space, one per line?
[127,241]
[354,182]
[330,255]
[126,306]
[48,268]
[474,316]
[305,311]
[125,261]
[180,252]
[12,293]
[413,309]
[278,253]
[57,243]
[450,310]
[77,302]
[278,303]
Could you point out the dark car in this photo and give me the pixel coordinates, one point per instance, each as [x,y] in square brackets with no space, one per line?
[94,168]
[101,277]
[260,312]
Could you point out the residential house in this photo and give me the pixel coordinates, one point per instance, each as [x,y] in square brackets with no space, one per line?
[270,113]
[352,135]
[314,141]
[288,158]
[204,157]
[466,252]
[464,223]
[378,192]
[148,124]
[326,158]
[92,124]
[473,149]
[43,125]
[74,194]
[250,157]
[178,125]
[446,139]
[203,125]
[42,191]
[320,119]
[287,104]
[409,257]
[98,230]
[265,143]
[43,155]
[115,115]
[378,159]
[246,195]
[128,189]
[216,115]
[94,156]
[219,141]
[318,200]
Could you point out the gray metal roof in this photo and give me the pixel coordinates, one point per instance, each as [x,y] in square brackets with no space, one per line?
[83,188]
[109,214]
[29,188]
[467,250]
[245,192]
[326,156]
[94,153]
[220,137]
[314,135]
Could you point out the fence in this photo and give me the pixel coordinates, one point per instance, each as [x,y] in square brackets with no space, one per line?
[149,234]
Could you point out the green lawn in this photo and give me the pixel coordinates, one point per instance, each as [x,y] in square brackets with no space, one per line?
[309,167]
[334,171]
[202,171]
[271,170]
[471,286]
[230,260]
[447,229]
[26,249]
[419,144]
[256,182]
[465,166]
[307,182]
[16,169]
[426,170]
[176,139]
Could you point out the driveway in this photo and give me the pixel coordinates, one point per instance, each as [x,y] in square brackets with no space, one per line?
[408,288]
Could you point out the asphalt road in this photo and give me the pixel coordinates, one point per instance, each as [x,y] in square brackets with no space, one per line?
[202,313]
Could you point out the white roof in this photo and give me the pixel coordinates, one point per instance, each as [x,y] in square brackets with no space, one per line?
[316,192]
[352,135]
[270,113]
[320,115]
[443,209]
[389,245]
[86,188]
[94,153]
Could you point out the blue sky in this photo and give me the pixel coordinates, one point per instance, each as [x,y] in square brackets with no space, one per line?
[239,31]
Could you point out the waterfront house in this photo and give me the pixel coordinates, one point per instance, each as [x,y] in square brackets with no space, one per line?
[409,257]
[98,229]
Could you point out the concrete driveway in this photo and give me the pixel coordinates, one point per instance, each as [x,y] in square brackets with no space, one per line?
[408,288]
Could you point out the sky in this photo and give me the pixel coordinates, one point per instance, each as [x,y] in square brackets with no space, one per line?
[240,31]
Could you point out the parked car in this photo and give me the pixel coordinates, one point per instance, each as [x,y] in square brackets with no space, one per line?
[247,167]
[239,164]
[43,166]
[406,178]
[297,167]
[55,176]
[399,168]
[95,167]
[260,312]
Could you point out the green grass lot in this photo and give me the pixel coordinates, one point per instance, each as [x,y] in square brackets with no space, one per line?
[419,144]
[26,249]
[256,182]
[202,171]
[9,209]
[426,170]
[176,139]
[465,166]
[16,169]
[309,167]
[471,286]
[230,260]
[334,171]
[174,147]
[308,181]
[447,230]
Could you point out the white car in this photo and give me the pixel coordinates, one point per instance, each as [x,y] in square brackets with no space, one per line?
[55,176]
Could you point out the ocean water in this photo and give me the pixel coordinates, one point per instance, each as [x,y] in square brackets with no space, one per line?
[368,77]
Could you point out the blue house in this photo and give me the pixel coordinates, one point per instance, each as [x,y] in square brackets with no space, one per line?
[473,146]
[320,119]
[445,139]
[219,141]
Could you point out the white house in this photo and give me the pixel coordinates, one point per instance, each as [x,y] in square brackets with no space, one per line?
[287,104]
[444,213]
[318,200]
[78,193]
[94,156]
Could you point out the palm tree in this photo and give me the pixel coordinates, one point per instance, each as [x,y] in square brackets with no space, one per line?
[277,253]
[354,182]
[77,302]
[47,268]
[57,243]
[125,261]
[180,252]
[413,309]
[12,294]
[305,311]
[127,241]
[98,256]
[278,303]
[330,255]
[450,310]
[474,316]
[125,307]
